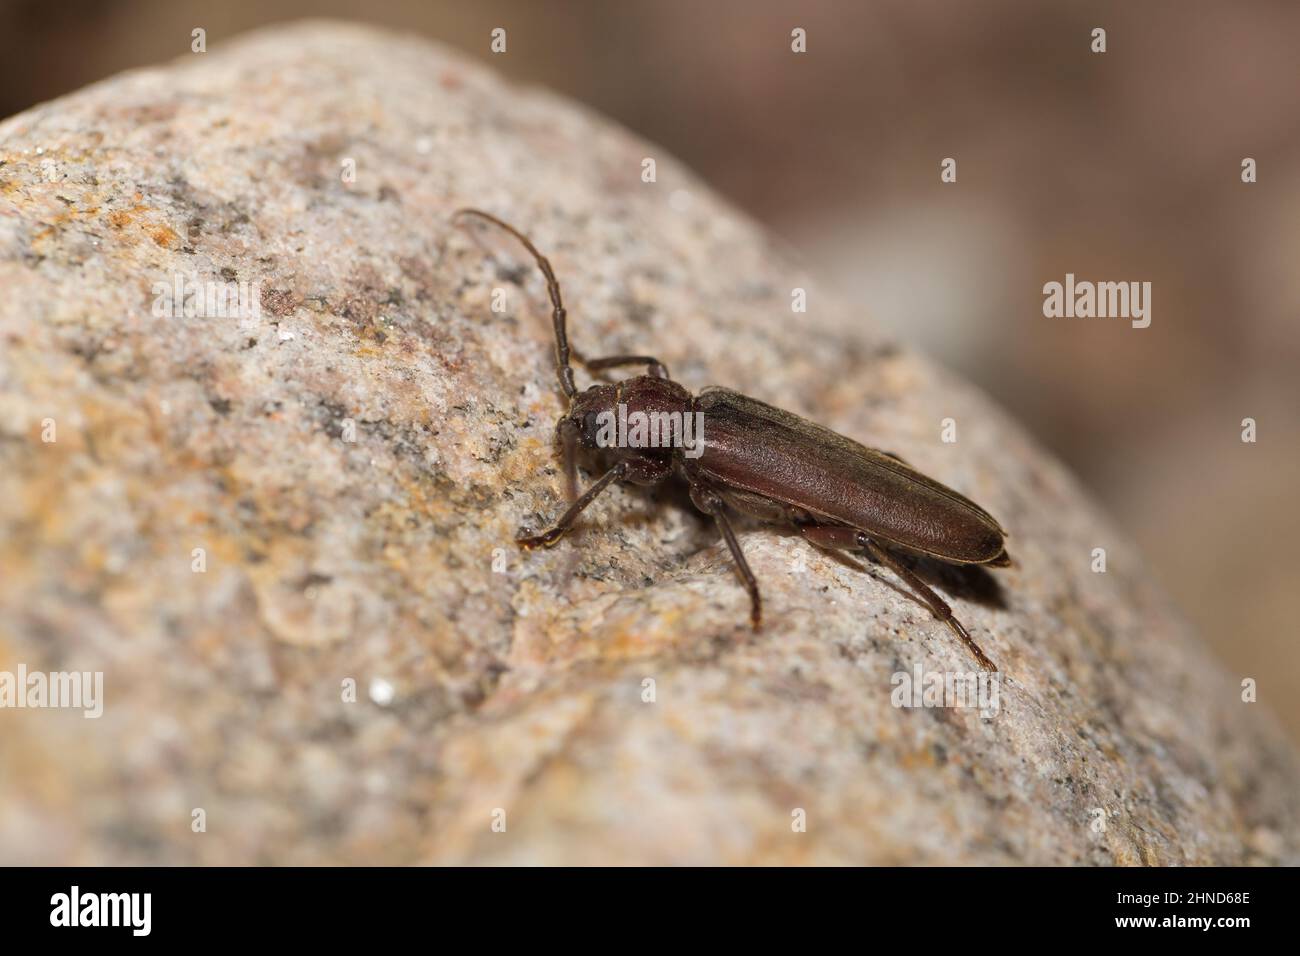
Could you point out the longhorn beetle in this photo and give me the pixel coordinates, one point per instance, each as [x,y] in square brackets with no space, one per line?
[768,463]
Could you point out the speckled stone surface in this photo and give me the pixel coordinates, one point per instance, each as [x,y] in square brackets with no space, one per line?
[353,462]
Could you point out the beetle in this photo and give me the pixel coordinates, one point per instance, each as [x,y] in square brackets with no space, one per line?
[767,463]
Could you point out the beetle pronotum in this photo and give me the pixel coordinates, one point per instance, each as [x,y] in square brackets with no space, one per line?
[768,463]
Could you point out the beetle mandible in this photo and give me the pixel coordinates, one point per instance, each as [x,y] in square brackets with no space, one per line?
[767,463]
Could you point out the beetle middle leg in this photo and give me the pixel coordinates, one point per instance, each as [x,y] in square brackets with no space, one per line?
[841,537]
[710,503]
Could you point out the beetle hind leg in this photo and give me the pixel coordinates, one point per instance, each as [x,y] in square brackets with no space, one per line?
[844,538]
[937,605]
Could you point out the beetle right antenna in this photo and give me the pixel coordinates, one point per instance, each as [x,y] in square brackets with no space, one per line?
[558,316]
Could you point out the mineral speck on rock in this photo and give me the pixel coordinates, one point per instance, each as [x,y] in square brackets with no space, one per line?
[287,539]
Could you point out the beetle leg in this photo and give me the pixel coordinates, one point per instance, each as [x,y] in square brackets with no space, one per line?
[548,538]
[936,604]
[838,537]
[844,538]
[567,431]
[709,502]
[656,368]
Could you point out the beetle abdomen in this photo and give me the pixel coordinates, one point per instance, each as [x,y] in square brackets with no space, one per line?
[770,452]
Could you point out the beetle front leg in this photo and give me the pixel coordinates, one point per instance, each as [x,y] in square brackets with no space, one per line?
[548,538]
[844,538]
[656,368]
[567,431]
[709,502]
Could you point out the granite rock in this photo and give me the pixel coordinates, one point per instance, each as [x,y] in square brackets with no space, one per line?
[286,537]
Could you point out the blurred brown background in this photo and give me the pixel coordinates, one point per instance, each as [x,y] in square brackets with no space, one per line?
[1118,166]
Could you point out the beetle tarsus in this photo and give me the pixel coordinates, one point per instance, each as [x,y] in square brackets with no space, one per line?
[544,540]
[983,659]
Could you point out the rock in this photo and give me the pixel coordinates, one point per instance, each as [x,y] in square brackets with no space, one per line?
[237,521]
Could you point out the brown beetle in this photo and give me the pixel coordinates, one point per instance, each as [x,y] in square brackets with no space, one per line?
[765,462]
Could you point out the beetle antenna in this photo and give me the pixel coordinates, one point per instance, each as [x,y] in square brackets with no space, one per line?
[564,368]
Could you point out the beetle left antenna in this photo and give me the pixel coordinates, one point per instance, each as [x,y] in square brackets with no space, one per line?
[564,368]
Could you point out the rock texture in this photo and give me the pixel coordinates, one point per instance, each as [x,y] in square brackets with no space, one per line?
[355,465]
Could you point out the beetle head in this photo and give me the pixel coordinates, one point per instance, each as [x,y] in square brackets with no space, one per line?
[584,418]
